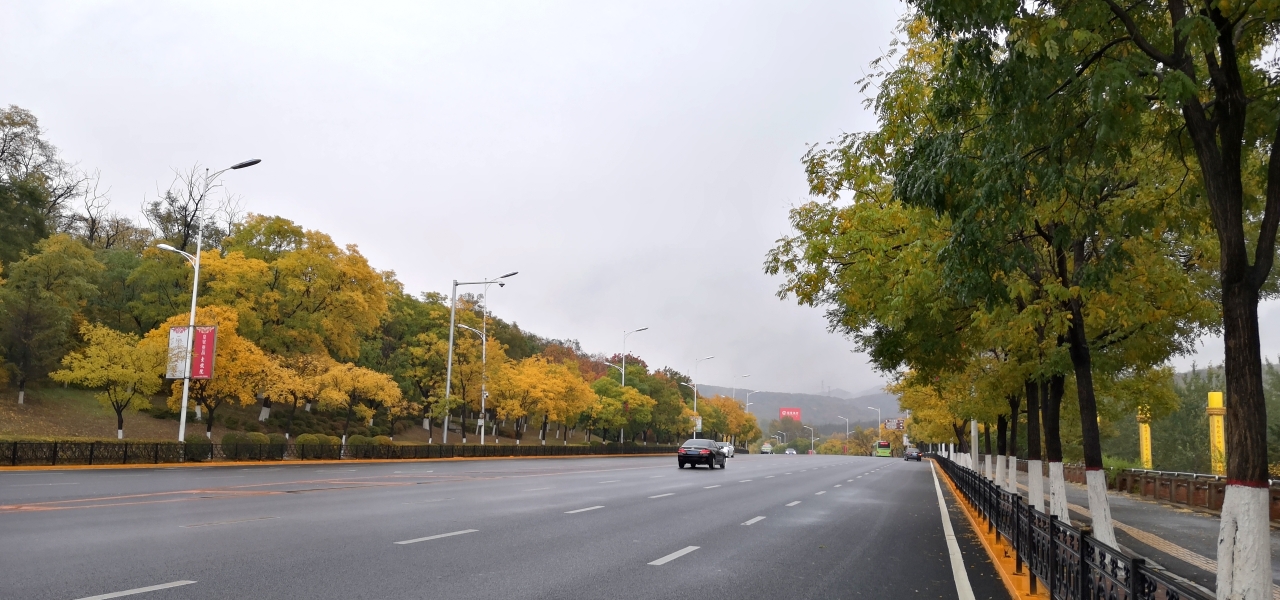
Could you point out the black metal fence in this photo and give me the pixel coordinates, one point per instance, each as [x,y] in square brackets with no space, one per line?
[120,453]
[1065,560]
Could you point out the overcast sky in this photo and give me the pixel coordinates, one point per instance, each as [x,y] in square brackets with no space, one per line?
[633,161]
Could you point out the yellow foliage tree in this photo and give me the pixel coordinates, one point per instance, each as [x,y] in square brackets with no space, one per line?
[117,364]
[241,369]
[360,391]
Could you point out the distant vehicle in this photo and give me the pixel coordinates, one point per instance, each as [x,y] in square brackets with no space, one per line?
[727,448]
[701,452]
[911,454]
[766,449]
[791,450]
[882,448]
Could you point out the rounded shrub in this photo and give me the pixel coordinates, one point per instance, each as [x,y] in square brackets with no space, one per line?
[233,438]
[276,439]
[359,440]
[306,439]
[198,447]
[257,438]
[383,440]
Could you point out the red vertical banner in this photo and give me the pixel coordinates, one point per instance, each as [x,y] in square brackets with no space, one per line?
[202,350]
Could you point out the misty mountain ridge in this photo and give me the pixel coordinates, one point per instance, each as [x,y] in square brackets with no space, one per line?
[816,409]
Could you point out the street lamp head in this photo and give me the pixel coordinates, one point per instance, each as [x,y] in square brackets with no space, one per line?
[166,247]
[247,163]
[873,408]
[641,329]
[509,274]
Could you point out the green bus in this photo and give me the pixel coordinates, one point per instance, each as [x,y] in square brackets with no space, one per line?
[882,448]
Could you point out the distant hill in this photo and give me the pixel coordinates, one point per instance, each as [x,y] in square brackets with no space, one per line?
[817,409]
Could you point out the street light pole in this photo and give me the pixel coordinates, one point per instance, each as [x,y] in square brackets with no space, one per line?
[846,428]
[624,352]
[878,423]
[195,288]
[734,393]
[810,436]
[784,436]
[453,319]
[484,374]
[695,381]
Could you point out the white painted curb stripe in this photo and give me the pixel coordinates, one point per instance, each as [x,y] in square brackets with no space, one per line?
[674,555]
[663,495]
[570,512]
[963,589]
[436,537]
[754,521]
[141,590]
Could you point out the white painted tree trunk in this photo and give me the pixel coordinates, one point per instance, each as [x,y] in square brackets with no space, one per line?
[999,470]
[264,413]
[1035,484]
[1058,493]
[990,467]
[307,406]
[119,434]
[21,394]
[1099,509]
[198,413]
[1244,544]
[1011,474]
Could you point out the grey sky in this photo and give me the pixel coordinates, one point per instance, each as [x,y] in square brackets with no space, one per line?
[633,161]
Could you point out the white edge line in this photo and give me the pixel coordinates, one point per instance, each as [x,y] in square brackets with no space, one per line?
[570,512]
[674,555]
[141,590]
[436,537]
[963,589]
[753,521]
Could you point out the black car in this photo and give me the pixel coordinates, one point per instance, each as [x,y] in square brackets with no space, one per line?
[911,454]
[701,452]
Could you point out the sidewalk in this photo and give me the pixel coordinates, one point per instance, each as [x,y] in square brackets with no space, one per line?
[1178,540]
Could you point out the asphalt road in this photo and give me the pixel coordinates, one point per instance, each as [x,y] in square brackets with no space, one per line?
[765,527]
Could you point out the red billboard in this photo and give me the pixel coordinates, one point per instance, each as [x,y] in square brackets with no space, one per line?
[784,412]
[202,350]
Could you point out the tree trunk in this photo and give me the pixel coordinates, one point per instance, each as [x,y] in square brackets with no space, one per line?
[1011,454]
[120,423]
[1082,362]
[1051,393]
[464,424]
[208,426]
[22,389]
[266,409]
[345,425]
[542,433]
[1002,448]
[987,467]
[1035,473]
[288,428]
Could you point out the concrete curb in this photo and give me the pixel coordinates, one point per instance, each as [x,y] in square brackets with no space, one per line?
[1001,553]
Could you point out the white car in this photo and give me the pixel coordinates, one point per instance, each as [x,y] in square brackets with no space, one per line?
[727,448]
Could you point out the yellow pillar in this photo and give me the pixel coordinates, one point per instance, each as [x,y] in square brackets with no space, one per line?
[1217,434]
[1144,440]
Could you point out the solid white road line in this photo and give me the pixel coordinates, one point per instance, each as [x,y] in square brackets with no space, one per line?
[27,484]
[710,486]
[793,503]
[436,537]
[674,555]
[141,590]
[571,512]
[820,493]
[226,522]
[611,481]
[663,495]
[963,589]
[754,521]
[537,489]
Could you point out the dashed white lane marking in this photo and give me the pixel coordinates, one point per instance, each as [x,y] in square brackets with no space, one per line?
[611,481]
[768,476]
[744,481]
[141,590]
[963,589]
[226,522]
[663,495]
[753,521]
[674,555]
[657,476]
[711,486]
[839,484]
[436,537]
[786,473]
[820,493]
[793,503]
[571,512]
[537,489]
[858,477]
